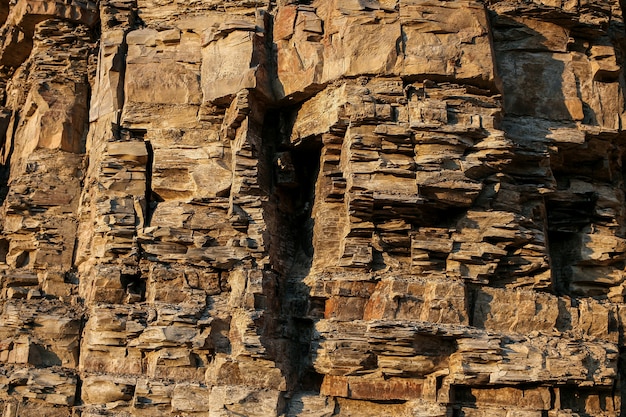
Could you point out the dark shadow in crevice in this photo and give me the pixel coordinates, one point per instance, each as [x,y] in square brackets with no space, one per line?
[6,150]
[135,287]
[564,252]
[4,11]
[291,173]
[478,305]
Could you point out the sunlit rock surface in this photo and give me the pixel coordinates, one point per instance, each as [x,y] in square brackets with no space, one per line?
[312,208]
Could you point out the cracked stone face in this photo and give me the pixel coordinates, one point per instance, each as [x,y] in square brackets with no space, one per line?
[312,208]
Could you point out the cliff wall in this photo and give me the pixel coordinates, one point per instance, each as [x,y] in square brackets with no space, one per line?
[312,208]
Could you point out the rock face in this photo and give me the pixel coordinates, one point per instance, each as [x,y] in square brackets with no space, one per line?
[312,208]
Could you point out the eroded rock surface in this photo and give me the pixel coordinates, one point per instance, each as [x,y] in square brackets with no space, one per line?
[312,208]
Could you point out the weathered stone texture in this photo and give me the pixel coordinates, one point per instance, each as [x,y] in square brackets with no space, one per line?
[312,208]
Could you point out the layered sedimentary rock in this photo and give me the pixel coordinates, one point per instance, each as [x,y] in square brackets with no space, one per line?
[312,208]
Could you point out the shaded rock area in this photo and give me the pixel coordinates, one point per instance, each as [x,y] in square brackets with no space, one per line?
[312,208]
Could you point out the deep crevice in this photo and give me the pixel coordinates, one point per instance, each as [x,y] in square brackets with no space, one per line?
[5,167]
[150,198]
[294,172]
[135,287]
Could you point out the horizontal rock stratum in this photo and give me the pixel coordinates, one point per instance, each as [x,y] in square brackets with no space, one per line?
[316,208]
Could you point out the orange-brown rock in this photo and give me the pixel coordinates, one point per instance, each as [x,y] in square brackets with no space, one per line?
[312,208]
